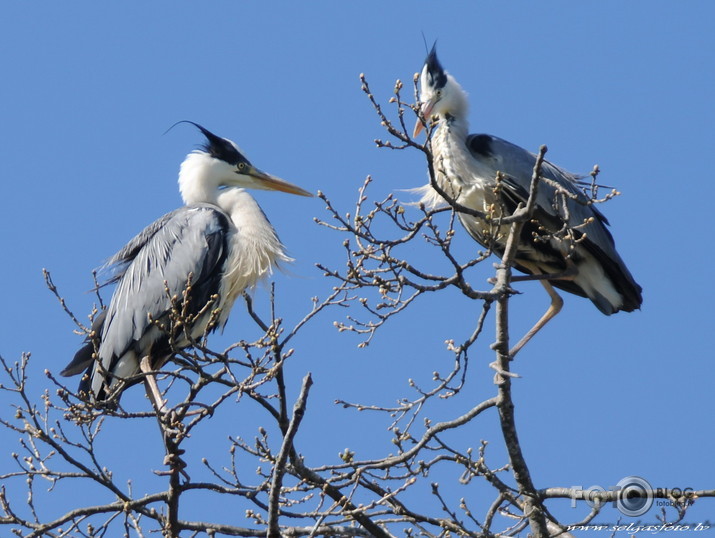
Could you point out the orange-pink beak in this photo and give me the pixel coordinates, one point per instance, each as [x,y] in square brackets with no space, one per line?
[426,113]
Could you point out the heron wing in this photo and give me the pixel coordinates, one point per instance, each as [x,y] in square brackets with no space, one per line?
[517,165]
[187,243]
[552,210]
[115,267]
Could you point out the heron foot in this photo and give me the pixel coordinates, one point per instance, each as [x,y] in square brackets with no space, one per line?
[174,461]
[501,374]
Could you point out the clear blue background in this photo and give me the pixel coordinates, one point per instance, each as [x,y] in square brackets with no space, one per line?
[88,90]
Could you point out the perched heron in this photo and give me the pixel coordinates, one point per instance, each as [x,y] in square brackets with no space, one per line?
[567,236]
[216,246]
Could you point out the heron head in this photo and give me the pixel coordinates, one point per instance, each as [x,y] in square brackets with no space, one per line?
[220,163]
[440,93]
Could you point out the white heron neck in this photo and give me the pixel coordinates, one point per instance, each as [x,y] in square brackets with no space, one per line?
[199,179]
[453,127]
[245,213]
[452,160]
[454,107]
[255,230]
[254,250]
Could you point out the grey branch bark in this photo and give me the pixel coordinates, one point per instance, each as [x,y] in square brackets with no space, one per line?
[279,467]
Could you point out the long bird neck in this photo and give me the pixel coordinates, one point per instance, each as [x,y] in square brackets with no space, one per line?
[248,217]
[449,140]
[255,248]
[451,158]
[450,130]
[453,111]
[199,180]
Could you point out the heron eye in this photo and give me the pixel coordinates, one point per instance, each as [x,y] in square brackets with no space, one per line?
[241,166]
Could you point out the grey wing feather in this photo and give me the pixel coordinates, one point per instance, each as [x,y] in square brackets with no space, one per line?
[517,165]
[117,264]
[600,284]
[187,241]
[115,267]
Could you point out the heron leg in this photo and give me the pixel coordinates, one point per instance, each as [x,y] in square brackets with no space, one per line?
[152,389]
[169,433]
[554,308]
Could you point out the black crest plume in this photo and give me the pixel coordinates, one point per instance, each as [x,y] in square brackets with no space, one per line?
[217,147]
[435,72]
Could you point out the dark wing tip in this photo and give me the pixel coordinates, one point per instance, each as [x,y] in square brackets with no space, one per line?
[80,362]
[632,296]
[84,357]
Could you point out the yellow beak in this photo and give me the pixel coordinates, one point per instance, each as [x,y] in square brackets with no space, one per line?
[272,183]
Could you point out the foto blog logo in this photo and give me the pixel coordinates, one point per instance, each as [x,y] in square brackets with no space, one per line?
[634,495]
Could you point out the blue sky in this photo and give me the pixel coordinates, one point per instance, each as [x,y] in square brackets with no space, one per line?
[88,91]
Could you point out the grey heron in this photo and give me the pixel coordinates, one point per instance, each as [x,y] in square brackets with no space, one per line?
[583,258]
[216,246]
